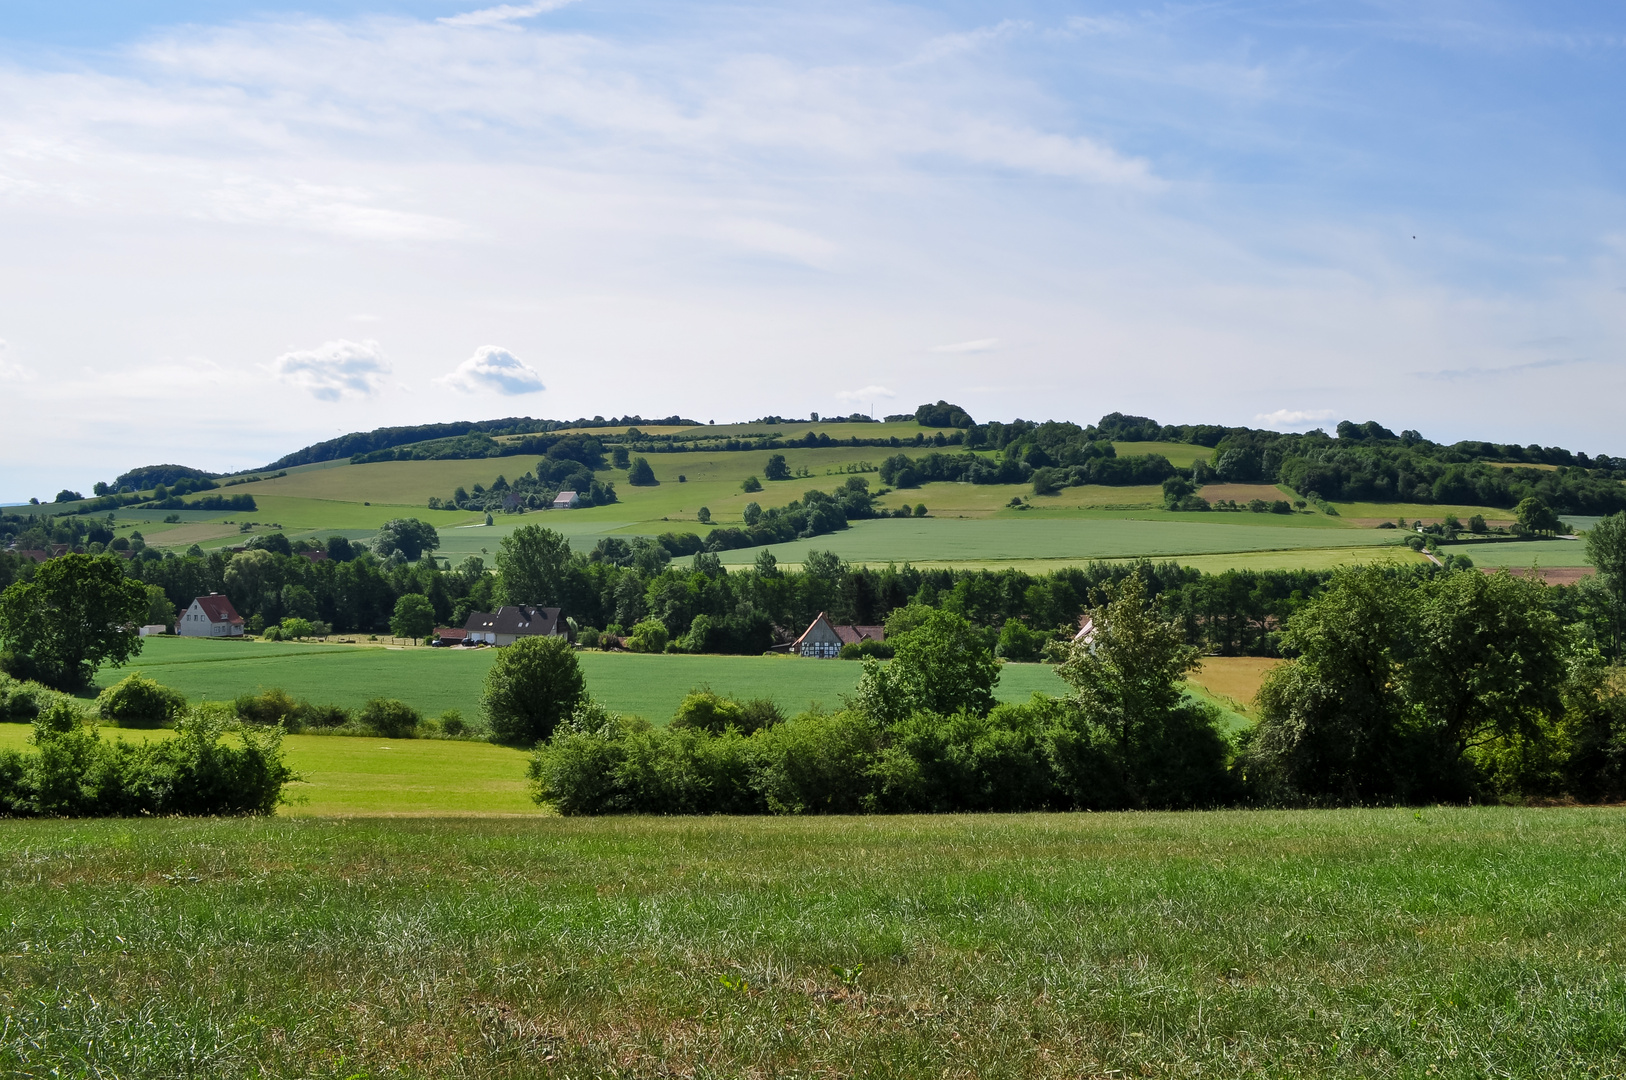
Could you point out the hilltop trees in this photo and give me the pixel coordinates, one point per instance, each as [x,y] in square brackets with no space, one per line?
[78,612]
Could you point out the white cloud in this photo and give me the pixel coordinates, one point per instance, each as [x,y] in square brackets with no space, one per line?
[1283,417]
[494,368]
[10,372]
[868,393]
[335,369]
[503,13]
[981,345]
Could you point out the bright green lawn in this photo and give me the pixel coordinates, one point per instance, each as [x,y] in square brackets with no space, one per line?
[1467,943]
[1180,455]
[434,680]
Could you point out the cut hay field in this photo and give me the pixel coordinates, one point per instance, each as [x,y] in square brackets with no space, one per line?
[434,680]
[1454,943]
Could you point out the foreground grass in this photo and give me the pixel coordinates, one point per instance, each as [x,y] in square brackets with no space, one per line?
[1458,943]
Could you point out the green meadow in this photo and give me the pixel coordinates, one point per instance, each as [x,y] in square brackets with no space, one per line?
[1458,943]
[933,540]
[434,680]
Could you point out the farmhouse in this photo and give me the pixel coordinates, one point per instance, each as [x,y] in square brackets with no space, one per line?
[508,624]
[824,639]
[210,616]
[566,500]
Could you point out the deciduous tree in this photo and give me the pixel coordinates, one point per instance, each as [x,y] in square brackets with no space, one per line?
[77,613]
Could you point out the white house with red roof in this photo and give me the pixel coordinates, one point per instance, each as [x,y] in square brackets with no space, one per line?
[210,616]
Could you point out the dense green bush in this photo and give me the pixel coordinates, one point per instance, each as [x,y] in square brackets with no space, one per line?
[137,701]
[532,686]
[277,706]
[711,712]
[858,650]
[74,772]
[390,718]
[21,701]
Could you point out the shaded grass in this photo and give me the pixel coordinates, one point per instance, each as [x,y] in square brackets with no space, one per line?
[1458,943]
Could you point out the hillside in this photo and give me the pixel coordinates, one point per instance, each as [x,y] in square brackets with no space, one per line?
[995,494]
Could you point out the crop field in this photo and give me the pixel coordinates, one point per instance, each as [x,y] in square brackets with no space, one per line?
[947,540]
[1522,554]
[1180,455]
[434,680]
[1367,514]
[1368,943]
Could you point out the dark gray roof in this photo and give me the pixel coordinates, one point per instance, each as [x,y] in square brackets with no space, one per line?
[519,620]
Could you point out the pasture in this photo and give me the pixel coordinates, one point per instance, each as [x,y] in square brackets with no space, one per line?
[434,680]
[1523,554]
[1037,538]
[1364,943]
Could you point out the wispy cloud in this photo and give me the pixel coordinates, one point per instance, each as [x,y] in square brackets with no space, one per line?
[980,345]
[334,369]
[503,13]
[11,372]
[493,368]
[867,393]
[1458,374]
[1284,417]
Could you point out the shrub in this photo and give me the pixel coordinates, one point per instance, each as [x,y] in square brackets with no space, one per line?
[452,723]
[751,484]
[649,636]
[293,629]
[1018,642]
[858,650]
[323,716]
[707,711]
[76,773]
[137,701]
[534,684]
[390,718]
[588,638]
[20,701]
[272,706]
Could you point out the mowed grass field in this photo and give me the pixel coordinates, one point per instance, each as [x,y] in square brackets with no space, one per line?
[1036,538]
[434,680]
[1483,942]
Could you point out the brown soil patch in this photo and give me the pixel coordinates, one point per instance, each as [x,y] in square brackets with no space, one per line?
[1242,493]
[1552,575]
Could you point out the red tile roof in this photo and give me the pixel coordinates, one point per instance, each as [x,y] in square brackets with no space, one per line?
[218,608]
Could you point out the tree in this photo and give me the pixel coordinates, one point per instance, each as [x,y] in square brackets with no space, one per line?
[640,474]
[159,610]
[703,515]
[1139,742]
[1488,662]
[1606,550]
[752,514]
[776,469]
[619,457]
[409,536]
[531,564]
[414,617]
[751,484]
[943,665]
[1331,724]
[533,685]
[295,628]
[1534,515]
[649,636]
[77,613]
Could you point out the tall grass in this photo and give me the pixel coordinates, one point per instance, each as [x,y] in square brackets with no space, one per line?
[1458,943]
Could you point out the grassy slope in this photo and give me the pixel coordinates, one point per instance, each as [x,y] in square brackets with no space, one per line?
[1455,943]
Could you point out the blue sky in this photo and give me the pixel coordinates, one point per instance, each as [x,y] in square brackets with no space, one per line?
[233,228]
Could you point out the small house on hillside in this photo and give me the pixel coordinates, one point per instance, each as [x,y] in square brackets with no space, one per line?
[824,639]
[510,623]
[210,616]
[446,635]
[566,500]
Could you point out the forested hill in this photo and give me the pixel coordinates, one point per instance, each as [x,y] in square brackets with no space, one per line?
[384,438]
